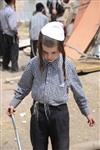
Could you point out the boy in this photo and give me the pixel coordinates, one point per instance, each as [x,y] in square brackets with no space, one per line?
[49,76]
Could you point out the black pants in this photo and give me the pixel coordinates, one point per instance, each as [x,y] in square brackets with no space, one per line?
[10,53]
[1,43]
[54,124]
[33,48]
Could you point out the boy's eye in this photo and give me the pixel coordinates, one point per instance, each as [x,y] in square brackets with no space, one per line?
[44,52]
[53,52]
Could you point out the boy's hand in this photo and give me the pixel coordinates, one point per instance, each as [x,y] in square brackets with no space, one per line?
[91,120]
[10,110]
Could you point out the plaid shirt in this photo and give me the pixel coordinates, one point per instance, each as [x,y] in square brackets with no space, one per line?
[49,86]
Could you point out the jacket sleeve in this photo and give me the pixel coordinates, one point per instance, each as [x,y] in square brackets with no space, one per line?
[77,90]
[24,86]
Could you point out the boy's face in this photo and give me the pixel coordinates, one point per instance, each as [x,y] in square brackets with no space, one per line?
[50,53]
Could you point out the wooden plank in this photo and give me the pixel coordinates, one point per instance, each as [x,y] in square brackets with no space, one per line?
[24,43]
[83,5]
[87,65]
[84,32]
[10,80]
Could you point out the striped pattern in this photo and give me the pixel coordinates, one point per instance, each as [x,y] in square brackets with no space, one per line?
[8,21]
[49,86]
[38,20]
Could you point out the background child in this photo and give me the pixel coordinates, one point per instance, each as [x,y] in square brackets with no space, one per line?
[38,20]
[49,77]
[8,23]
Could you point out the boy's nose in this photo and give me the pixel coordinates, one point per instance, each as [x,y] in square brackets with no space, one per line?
[49,57]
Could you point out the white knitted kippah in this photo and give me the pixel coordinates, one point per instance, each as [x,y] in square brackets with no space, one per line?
[54,30]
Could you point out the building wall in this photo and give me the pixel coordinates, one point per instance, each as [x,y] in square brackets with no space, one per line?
[1,4]
[25,8]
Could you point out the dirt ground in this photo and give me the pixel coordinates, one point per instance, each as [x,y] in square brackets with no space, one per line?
[82,137]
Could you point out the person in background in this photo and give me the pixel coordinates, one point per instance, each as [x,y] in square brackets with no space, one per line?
[69,28]
[8,23]
[67,17]
[52,6]
[38,20]
[65,1]
[49,77]
[60,18]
